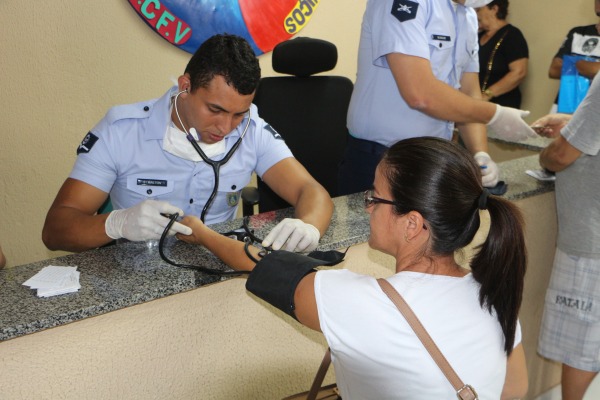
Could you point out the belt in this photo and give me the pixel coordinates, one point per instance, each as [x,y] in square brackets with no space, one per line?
[366,145]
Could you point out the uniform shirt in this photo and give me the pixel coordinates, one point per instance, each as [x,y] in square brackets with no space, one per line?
[377,355]
[437,30]
[123,154]
[576,187]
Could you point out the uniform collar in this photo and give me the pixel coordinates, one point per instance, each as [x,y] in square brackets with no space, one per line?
[160,115]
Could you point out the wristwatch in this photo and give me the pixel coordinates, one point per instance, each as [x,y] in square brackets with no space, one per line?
[488,93]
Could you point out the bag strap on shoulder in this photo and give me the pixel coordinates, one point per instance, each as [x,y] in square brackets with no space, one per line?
[463,392]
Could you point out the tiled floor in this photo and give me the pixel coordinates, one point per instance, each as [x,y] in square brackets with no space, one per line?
[593,392]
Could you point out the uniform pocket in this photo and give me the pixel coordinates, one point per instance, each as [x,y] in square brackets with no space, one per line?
[441,50]
[148,186]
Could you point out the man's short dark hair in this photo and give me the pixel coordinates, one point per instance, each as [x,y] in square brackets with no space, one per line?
[229,56]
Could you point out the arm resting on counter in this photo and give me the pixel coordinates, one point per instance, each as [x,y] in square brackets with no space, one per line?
[232,252]
[558,155]
[71,223]
[292,182]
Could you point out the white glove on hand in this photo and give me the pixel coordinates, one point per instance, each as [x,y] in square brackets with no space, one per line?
[508,124]
[300,236]
[143,221]
[489,169]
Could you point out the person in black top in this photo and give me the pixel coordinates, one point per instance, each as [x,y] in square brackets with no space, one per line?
[581,40]
[503,55]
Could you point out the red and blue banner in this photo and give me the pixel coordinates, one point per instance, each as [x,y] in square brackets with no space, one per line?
[263,23]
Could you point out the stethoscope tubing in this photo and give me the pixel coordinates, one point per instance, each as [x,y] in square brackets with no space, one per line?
[216,165]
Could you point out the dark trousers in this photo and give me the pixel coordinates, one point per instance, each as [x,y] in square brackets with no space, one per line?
[357,169]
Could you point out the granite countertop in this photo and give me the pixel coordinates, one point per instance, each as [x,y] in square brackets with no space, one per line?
[126,274]
[536,143]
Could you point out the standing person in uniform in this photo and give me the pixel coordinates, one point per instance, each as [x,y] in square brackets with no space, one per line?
[418,76]
[503,55]
[583,41]
[570,332]
[150,158]
[425,204]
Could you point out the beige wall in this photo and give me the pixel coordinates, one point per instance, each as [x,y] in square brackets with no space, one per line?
[63,63]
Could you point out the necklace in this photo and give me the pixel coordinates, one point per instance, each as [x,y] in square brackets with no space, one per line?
[490,62]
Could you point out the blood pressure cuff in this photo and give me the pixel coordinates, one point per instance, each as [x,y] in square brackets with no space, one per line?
[276,276]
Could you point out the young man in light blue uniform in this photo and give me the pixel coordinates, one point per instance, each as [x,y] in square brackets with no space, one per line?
[418,76]
[129,161]
[142,155]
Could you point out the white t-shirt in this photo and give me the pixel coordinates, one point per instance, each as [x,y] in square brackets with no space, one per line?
[375,352]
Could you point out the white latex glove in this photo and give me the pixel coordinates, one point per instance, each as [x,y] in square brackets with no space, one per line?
[143,221]
[300,236]
[489,169]
[508,124]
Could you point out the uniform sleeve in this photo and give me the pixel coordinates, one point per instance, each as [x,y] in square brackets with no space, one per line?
[582,130]
[472,41]
[269,146]
[94,164]
[396,31]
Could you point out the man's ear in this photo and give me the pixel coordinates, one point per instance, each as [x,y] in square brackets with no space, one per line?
[184,83]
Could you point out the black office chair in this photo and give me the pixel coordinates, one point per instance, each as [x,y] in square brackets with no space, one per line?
[308,111]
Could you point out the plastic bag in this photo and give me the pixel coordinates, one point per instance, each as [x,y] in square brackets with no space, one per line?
[573,87]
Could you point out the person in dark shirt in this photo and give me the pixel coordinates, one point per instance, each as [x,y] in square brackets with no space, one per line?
[581,40]
[503,55]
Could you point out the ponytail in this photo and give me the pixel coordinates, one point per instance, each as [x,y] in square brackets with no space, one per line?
[499,266]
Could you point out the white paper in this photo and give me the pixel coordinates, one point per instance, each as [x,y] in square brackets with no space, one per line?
[53,280]
[541,175]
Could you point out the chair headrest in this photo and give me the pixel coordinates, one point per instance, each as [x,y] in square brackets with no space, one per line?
[304,56]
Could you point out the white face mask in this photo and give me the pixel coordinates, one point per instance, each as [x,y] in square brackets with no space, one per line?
[476,3]
[176,143]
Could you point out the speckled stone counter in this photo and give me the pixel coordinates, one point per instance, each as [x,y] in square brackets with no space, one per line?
[126,274]
[536,143]
[119,276]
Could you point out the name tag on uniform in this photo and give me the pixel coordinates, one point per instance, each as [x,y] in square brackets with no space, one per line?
[151,182]
[443,38]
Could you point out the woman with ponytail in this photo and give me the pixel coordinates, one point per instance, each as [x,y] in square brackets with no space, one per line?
[424,206]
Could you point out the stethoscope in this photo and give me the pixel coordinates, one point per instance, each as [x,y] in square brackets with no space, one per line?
[216,165]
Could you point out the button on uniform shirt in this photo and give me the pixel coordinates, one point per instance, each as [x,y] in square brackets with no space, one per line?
[438,30]
[123,155]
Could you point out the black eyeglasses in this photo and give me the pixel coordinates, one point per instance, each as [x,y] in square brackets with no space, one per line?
[370,199]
